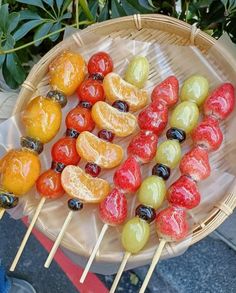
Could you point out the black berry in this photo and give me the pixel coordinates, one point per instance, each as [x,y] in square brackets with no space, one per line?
[32,144]
[97,76]
[146,213]
[121,106]
[176,133]
[72,133]
[75,204]
[58,167]
[58,96]
[161,171]
[92,169]
[8,200]
[85,104]
[106,135]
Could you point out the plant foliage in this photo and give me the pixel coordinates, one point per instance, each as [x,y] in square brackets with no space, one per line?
[32,27]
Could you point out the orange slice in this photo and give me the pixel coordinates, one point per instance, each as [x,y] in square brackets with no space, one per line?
[118,89]
[83,186]
[108,117]
[93,149]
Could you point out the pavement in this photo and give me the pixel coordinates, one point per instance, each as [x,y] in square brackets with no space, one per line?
[207,267]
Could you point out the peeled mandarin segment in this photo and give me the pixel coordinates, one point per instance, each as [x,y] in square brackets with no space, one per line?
[79,184]
[118,89]
[195,89]
[66,72]
[135,235]
[152,192]
[137,71]
[93,149]
[19,171]
[185,116]
[107,117]
[42,119]
[169,153]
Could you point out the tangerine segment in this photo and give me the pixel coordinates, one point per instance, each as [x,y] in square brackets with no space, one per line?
[83,186]
[66,72]
[108,117]
[118,89]
[93,149]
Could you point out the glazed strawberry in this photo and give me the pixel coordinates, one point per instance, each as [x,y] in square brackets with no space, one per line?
[128,176]
[143,146]
[171,224]
[113,209]
[184,193]
[221,102]
[167,91]
[154,117]
[208,134]
[195,164]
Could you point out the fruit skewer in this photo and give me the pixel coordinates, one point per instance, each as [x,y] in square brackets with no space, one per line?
[127,179]
[152,191]
[48,184]
[183,194]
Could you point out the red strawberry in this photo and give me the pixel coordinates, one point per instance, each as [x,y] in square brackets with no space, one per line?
[208,134]
[184,193]
[195,164]
[128,176]
[167,91]
[113,209]
[143,146]
[154,117]
[221,102]
[171,224]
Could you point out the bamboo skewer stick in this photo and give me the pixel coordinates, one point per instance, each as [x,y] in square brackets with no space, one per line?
[153,265]
[94,252]
[58,240]
[2,211]
[27,235]
[120,271]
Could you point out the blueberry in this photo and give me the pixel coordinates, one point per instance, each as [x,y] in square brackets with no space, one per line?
[58,97]
[75,204]
[57,166]
[161,171]
[121,106]
[176,133]
[8,200]
[72,133]
[146,213]
[32,144]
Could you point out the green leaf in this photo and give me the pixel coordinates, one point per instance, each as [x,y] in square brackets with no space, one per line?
[8,77]
[142,6]
[37,3]
[59,4]
[42,31]
[2,59]
[13,21]
[104,15]
[9,43]
[54,28]
[15,68]
[4,14]
[28,14]
[128,8]
[116,9]
[93,6]
[65,16]
[49,2]
[27,27]
[85,8]
[65,5]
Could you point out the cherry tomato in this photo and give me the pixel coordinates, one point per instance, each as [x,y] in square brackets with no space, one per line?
[91,91]
[100,63]
[80,119]
[64,151]
[49,184]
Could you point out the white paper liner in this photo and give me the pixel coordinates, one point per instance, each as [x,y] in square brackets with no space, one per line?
[86,225]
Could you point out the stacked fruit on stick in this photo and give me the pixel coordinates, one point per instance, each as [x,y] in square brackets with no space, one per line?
[136,231]
[183,194]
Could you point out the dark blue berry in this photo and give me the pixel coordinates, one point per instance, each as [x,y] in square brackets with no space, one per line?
[58,96]
[146,213]
[8,200]
[176,133]
[106,135]
[161,171]
[57,166]
[72,133]
[32,144]
[121,106]
[75,204]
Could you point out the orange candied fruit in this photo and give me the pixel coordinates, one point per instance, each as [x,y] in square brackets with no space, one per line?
[81,185]
[66,72]
[108,117]
[19,171]
[117,88]
[93,149]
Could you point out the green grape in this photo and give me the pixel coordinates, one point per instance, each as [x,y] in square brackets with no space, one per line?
[137,71]
[152,191]
[185,116]
[135,235]
[169,153]
[195,89]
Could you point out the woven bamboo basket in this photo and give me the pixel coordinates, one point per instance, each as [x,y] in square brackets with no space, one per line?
[151,28]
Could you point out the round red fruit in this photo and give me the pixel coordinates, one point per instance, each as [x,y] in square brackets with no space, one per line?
[184,193]
[113,209]
[100,63]
[64,151]
[49,184]
[208,134]
[80,119]
[91,91]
